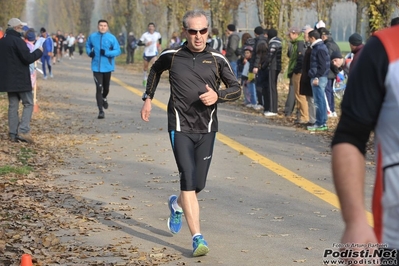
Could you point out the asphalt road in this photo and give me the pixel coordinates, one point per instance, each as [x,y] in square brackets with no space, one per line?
[269,199]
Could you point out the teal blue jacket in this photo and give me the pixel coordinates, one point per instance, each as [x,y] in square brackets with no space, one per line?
[107,42]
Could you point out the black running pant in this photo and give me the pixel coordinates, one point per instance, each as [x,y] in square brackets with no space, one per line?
[193,154]
[102,81]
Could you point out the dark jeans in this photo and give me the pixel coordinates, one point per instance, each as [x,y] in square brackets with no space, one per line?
[330,94]
[80,46]
[130,56]
[271,100]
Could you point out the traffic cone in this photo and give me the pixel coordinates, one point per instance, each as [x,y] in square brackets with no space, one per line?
[35,107]
[26,260]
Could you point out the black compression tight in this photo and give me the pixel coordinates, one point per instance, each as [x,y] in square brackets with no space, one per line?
[102,81]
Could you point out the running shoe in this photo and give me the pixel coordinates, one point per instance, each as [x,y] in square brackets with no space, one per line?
[317,128]
[101,115]
[200,247]
[175,219]
[105,103]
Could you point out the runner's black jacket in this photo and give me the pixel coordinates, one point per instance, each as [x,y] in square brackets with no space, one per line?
[188,74]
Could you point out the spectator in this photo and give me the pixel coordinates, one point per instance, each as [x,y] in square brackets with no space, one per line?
[248,79]
[356,45]
[318,72]
[294,73]
[131,48]
[370,104]
[255,64]
[243,68]
[332,47]
[262,76]
[122,42]
[339,62]
[102,47]
[216,43]
[274,67]
[175,40]
[244,42]
[15,58]
[48,47]
[232,47]
[30,38]
[306,84]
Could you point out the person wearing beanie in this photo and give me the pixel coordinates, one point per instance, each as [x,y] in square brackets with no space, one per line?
[255,65]
[232,49]
[274,67]
[340,62]
[356,45]
[231,27]
[15,58]
[259,30]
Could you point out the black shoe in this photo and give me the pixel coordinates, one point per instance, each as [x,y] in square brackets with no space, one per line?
[101,115]
[105,104]
[13,138]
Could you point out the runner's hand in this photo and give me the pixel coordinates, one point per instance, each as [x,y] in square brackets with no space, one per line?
[146,110]
[210,97]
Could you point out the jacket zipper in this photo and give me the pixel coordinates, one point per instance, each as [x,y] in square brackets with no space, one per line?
[101,46]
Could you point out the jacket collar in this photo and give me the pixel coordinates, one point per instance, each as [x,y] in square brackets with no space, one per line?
[316,43]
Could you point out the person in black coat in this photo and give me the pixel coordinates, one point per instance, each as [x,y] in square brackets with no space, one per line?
[332,47]
[131,48]
[15,58]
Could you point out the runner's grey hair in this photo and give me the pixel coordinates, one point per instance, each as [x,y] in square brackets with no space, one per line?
[193,14]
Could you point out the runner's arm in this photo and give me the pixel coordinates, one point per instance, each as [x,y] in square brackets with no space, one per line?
[233,88]
[360,110]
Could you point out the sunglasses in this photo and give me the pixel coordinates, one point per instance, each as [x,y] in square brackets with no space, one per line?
[195,32]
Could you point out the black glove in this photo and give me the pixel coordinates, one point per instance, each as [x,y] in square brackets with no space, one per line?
[91,54]
[102,52]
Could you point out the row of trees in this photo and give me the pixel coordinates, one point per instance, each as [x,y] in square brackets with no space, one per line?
[133,15]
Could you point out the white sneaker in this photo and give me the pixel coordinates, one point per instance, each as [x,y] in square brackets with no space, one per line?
[257,107]
[334,114]
[269,114]
[249,105]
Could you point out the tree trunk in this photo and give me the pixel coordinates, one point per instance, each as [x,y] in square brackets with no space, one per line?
[261,11]
[359,15]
